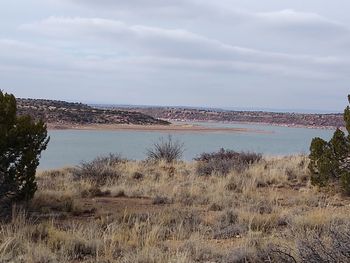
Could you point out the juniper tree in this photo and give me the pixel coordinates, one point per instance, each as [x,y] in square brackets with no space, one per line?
[330,161]
[21,142]
[347,117]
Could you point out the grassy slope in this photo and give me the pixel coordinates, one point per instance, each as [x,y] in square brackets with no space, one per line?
[167,213]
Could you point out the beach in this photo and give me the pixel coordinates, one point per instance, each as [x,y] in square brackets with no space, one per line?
[154,128]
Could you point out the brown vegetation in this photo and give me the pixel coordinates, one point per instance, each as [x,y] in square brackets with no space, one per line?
[165,212]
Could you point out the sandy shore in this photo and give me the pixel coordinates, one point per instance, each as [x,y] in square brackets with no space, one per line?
[153,128]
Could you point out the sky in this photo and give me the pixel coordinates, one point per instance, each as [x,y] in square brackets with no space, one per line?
[271,54]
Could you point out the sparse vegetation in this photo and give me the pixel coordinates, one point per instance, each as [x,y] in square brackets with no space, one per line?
[269,212]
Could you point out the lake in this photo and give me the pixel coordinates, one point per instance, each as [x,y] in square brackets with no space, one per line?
[70,147]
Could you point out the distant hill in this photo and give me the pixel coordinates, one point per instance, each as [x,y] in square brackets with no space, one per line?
[330,120]
[66,113]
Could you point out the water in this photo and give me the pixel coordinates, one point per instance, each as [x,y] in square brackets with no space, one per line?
[70,147]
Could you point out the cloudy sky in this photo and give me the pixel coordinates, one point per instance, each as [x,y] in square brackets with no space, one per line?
[291,54]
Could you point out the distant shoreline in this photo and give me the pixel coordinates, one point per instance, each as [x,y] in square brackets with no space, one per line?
[154,128]
[182,126]
[298,120]
[67,115]
[259,123]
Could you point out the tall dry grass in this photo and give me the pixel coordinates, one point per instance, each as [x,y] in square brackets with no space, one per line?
[166,212]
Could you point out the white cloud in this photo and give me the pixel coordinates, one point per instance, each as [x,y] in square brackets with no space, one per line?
[219,13]
[139,40]
[169,42]
[291,21]
[290,17]
[158,45]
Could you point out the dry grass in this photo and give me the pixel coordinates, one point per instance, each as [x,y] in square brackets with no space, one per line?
[166,212]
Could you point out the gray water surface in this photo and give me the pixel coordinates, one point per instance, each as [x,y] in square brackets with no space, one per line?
[70,147]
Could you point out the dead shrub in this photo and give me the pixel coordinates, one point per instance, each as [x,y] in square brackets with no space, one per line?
[332,245]
[228,226]
[100,169]
[160,200]
[215,207]
[201,252]
[94,192]
[120,193]
[252,252]
[138,176]
[166,150]
[224,161]
[229,232]
[47,202]
[187,221]
[76,248]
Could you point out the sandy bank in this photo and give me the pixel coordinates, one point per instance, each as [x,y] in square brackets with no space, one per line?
[153,128]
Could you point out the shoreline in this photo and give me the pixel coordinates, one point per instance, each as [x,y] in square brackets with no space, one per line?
[183,126]
[258,123]
[154,128]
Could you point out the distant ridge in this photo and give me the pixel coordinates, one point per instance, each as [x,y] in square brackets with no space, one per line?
[56,112]
[312,120]
[61,113]
[249,109]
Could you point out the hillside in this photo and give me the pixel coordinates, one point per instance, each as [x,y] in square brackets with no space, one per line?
[276,118]
[66,113]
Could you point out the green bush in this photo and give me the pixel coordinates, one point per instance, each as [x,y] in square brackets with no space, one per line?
[21,142]
[330,161]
